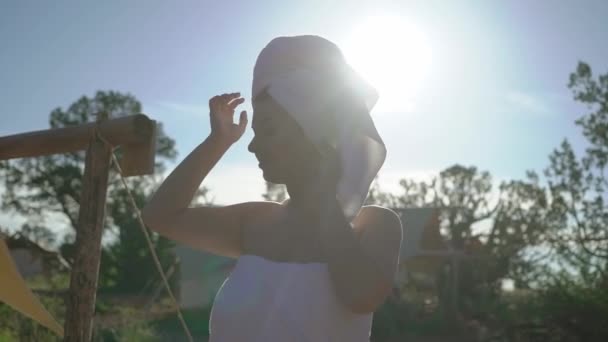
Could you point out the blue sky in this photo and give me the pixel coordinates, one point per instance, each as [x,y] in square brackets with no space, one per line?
[493,94]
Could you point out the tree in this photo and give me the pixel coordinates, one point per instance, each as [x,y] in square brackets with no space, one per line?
[495,228]
[275,192]
[579,187]
[463,193]
[571,295]
[38,234]
[518,230]
[377,196]
[36,187]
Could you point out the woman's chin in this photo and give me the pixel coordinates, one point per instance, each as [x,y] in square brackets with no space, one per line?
[271,177]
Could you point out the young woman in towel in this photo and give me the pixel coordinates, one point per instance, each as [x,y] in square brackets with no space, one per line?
[317,266]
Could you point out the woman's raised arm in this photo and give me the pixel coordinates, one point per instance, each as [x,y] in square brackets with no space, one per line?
[215,229]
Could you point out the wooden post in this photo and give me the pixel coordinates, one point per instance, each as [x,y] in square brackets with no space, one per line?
[85,271]
[136,134]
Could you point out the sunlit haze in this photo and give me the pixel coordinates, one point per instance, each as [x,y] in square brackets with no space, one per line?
[394,55]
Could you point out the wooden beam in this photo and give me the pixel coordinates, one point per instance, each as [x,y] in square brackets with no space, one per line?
[136,133]
[85,271]
[138,157]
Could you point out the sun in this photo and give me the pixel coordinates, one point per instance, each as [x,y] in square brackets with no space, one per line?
[393,55]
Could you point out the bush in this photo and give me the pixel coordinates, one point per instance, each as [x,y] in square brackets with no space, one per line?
[577,308]
[138,331]
[16,327]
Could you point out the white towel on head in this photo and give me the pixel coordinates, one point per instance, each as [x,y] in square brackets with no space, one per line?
[309,77]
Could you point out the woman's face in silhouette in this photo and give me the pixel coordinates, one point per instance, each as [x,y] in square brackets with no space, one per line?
[285,153]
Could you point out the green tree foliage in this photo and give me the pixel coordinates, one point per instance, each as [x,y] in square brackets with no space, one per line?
[477,218]
[37,187]
[41,235]
[377,196]
[579,186]
[549,234]
[497,227]
[275,192]
[573,294]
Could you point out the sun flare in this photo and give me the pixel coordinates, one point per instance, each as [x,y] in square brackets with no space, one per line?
[393,55]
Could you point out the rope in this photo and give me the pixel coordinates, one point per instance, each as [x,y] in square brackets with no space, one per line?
[142,225]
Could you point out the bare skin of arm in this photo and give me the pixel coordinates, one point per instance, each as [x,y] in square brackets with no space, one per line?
[362,258]
[213,229]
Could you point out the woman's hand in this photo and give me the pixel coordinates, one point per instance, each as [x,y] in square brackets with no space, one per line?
[221,111]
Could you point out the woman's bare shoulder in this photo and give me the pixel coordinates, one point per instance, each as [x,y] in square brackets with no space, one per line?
[380,234]
[260,212]
[258,225]
[373,219]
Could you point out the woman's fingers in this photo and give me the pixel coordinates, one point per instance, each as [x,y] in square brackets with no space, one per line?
[222,111]
[213,101]
[225,104]
[242,122]
[236,102]
[228,99]
[232,97]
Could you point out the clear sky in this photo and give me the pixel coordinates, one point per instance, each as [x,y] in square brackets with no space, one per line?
[473,82]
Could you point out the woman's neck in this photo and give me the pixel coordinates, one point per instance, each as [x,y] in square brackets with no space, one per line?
[304,197]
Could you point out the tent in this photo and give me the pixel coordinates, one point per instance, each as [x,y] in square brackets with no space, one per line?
[15,293]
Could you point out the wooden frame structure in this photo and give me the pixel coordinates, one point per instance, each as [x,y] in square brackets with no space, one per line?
[136,135]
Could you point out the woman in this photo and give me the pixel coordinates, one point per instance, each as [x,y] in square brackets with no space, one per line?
[315,267]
